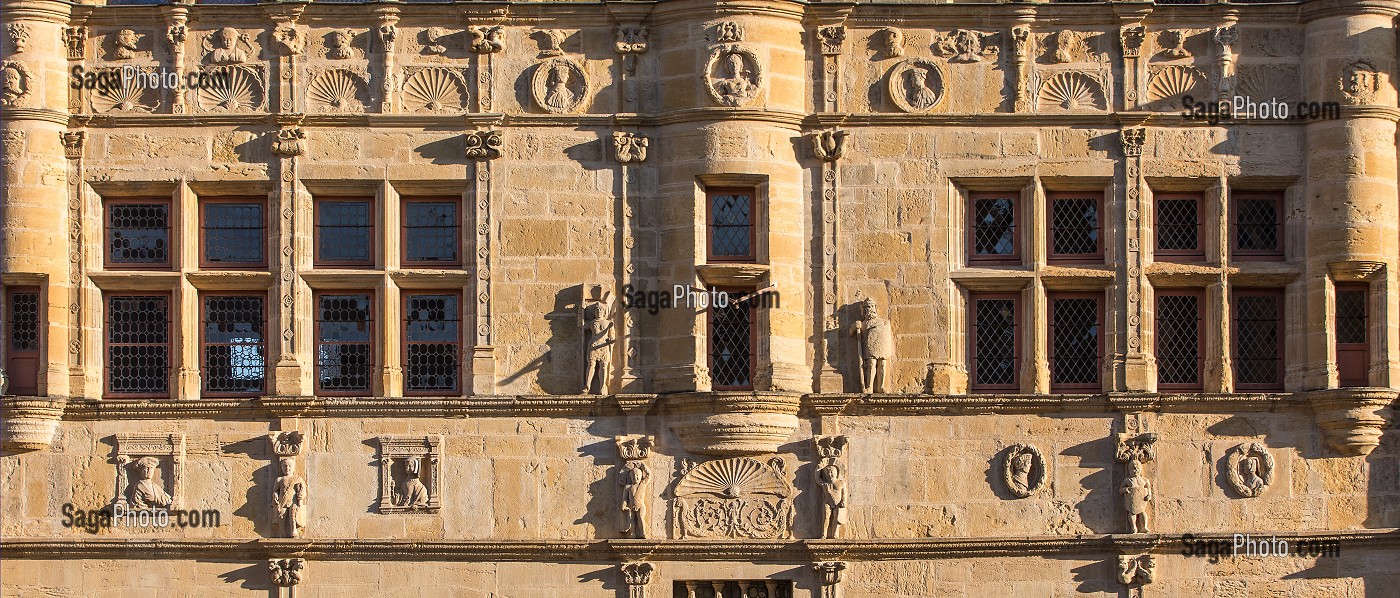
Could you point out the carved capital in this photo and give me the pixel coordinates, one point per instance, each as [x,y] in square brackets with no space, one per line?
[830,447]
[829,572]
[828,146]
[1131,37]
[634,448]
[486,39]
[75,39]
[1133,139]
[290,141]
[285,573]
[631,39]
[630,147]
[833,39]
[636,574]
[285,444]
[484,144]
[1136,570]
[73,144]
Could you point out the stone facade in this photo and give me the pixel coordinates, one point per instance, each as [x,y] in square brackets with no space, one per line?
[859,454]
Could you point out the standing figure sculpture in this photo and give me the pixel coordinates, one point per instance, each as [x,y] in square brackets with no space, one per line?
[876,347]
[1137,492]
[289,500]
[633,478]
[596,320]
[146,492]
[832,480]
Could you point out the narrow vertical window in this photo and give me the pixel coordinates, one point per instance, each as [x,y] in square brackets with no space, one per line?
[992,230]
[22,353]
[1178,337]
[1258,339]
[431,232]
[731,344]
[731,237]
[138,234]
[1178,227]
[345,232]
[235,355]
[344,343]
[1353,350]
[234,232]
[432,344]
[138,345]
[995,337]
[1258,226]
[1075,227]
[1076,341]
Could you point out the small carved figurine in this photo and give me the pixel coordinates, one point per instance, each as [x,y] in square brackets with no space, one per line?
[146,491]
[226,46]
[634,479]
[596,320]
[339,46]
[831,477]
[876,347]
[1137,492]
[412,494]
[289,499]
[124,44]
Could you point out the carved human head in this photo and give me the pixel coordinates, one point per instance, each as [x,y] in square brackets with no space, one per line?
[11,81]
[868,308]
[1021,463]
[1172,38]
[146,467]
[893,40]
[287,465]
[340,38]
[1134,468]
[434,33]
[127,38]
[1251,465]
[226,38]
[413,466]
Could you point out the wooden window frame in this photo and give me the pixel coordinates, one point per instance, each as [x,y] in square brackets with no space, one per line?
[1016,353]
[1014,258]
[1177,255]
[172,247]
[7,338]
[710,193]
[316,342]
[734,293]
[268,365]
[1257,255]
[403,230]
[373,232]
[1074,258]
[1199,294]
[1362,348]
[204,262]
[1280,351]
[171,346]
[1069,388]
[403,336]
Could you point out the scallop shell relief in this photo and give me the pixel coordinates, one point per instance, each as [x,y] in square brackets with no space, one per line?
[232,89]
[434,90]
[128,95]
[337,90]
[1072,91]
[1168,85]
[734,498]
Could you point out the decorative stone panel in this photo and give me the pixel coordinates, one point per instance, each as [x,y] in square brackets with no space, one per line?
[734,498]
[409,474]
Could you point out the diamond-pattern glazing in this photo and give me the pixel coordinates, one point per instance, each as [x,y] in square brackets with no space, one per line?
[1178,226]
[731,225]
[1075,351]
[1178,339]
[994,341]
[731,347]
[1257,339]
[1256,224]
[993,227]
[1074,226]
[1351,317]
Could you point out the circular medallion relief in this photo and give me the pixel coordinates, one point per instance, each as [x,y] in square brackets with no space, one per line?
[916,85]
[559,86]
[733,76]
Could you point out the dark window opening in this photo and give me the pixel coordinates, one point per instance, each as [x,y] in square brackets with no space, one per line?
[1353,349]
[995,342]
[1178,227]
[138,233]
[22,354]
[235,233]
[1075,342]
[731,344]
[1074,228]
[731,225]
[235,357]
[1258,226]
[431,234]
[993,229]
[345,232]
[1258,340]
[344,343]
[1178,338]
[138,345]
[432,344]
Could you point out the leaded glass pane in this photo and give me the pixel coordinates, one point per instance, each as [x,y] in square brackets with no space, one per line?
[1351,317]
[1177,225]
[1257,339]
[1256,225]
[138,233]
[138,344]
[432,336]
[731,225]
[234,233]
[994,334]
[344,335]
[1075,354]
[993,227]
[430,232]
[1074,226]
[730,345]
[343,232]
[1178,339]
[235,360]
[24,322]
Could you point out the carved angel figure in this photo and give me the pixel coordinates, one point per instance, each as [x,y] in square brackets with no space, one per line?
[876,344]
[596,320]
[124,44]
[412,493]
[832,480]
[226,46]
[146,492]
[633,479]
[289,499]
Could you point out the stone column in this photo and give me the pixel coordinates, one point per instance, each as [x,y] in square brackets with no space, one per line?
[1139,365]
[35,227]
[482,147]
[1351,227]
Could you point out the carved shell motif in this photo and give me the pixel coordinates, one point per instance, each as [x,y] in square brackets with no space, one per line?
[337,90]
[434,90]
[732,478]
[1268,83]
[233,89]
[126,95]
[1072,91]
[1168,85]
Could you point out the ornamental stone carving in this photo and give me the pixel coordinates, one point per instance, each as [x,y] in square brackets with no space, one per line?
[289,500]
[559,86]
[1227,36]
[1066,46]
[433,38]
[486,39]
[1173,44]
[434,90]
[1072,91]
[236,89]
[1351,419]
[1133,139]
[75,39]
[290,40]
[409,474]
[18,34]
[285,573]
[1136,451]
[1360,83]
[150,468]
[30,423]
[1169,84]
[1136,570]
[290,141]
[1131,38]
[1249,468]
[891,40]
[733,76]
[175,36]
[828,146]
[831,484]
[833,38]
[634,479]
[73,144]
[595,321]
[875,348]
[964,45]
[16,83]
[629,147]
[915,85]
[340,45]
[1023,470]
[636,576]
[388,34]
[285,444]
[227,46]
[124,44]
[483,145]
[734,498]
[127,95]
[338,90]
[631,39]
[729,32]
[829,577]
[551,41]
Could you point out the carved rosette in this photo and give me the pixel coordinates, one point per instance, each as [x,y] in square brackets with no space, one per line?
[1023,470]
[734,498]
[916,85]
[1249,468]
[1351,419]
[559,86]
[733,76]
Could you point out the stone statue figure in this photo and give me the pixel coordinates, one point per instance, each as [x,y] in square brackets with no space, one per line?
[146,492]
[633,479]
[876,346]
[412,493]
[125,44]
[919,94]
[1137,492]
[832,480]
[596,320]
[289,499]
[558,96]
[734,82]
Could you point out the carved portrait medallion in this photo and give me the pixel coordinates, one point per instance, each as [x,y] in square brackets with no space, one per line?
[733,75]
[559,86]
[916,85]
[1249,468]
[1023,470]
[15,82]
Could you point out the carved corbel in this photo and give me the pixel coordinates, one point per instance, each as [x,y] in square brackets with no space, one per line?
[1136,570]
[290,141]
[636,576]
[828,146]
[630,147]
[285,573]
[1351,419]
[484,144]
[73,144]
[75,39]
[1133,139]
[1131,38]
[829,577]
